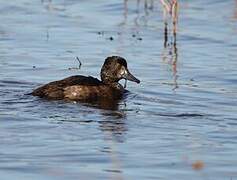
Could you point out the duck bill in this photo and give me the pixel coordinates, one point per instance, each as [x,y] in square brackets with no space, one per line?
[130,77]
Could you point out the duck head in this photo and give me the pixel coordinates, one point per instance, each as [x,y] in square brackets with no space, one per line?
[114,69]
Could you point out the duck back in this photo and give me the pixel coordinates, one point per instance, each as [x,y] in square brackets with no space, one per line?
[55,89]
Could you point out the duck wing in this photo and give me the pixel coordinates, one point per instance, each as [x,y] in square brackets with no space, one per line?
[55,89]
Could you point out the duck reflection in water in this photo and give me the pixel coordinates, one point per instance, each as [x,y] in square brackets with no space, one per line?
[114,126]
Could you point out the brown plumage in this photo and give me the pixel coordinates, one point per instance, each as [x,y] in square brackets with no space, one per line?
[82,88]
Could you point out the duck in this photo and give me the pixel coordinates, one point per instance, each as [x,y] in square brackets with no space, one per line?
[88,88]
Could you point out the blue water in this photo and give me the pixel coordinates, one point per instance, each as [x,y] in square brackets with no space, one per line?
[183,112]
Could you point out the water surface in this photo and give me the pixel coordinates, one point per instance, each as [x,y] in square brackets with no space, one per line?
[182,113]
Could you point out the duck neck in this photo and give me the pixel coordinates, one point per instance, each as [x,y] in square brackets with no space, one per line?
[115,85]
